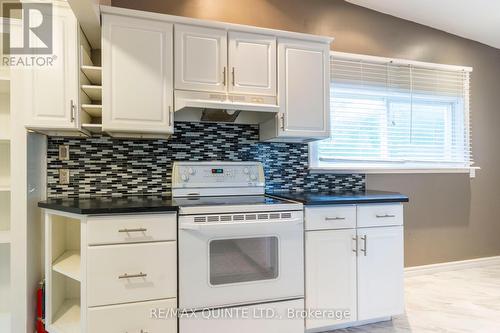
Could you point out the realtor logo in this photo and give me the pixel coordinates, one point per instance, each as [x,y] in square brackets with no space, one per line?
[36,35]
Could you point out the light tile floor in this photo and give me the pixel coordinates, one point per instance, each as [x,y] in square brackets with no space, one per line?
[460,301]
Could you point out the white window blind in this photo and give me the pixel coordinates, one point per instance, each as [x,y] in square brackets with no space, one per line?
[387,114]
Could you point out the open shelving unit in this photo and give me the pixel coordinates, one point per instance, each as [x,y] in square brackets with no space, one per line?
[22,166]
[90,87]
[63,274]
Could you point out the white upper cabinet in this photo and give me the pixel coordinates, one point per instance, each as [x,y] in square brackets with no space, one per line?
[330,274]
[304,88]
[380,272]
[252,64]
[200,58]
[51,91]
[137,61]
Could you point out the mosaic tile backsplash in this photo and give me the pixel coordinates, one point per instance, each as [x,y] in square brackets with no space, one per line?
[102,165]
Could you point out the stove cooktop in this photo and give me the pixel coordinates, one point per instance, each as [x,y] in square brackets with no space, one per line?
[233,204]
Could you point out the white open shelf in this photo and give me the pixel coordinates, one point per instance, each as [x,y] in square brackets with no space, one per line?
[5,322]
[93,128]
[68,264]
[4,188]
[93,92]
[93,110]
[93,73]
[4,239]
[67,318]
[5,165]
[4,85]
[4,116]
[5,287]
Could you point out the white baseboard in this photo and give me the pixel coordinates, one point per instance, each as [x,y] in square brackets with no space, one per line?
[450,266]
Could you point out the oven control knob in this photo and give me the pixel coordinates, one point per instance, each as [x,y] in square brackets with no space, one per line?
[253,177]
[246,171]
[185,178]
[191,171]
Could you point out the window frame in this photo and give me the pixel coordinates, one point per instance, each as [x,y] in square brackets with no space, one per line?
[317,166]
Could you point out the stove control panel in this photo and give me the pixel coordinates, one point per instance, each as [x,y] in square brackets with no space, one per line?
[217,174]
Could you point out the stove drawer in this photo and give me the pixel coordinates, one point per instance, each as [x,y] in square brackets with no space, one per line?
[330,217]
[117,229]
[134,317]
[131,273]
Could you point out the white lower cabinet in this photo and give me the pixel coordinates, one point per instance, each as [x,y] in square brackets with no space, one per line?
[353,275]
[114,288]
[331,274]
[380,272]
[150,317]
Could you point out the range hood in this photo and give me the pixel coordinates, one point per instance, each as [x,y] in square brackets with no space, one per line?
[222,107]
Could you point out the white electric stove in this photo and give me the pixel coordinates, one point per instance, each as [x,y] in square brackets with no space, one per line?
[238,249]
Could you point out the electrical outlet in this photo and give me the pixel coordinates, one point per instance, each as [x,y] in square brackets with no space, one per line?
[63,176]
[63,152]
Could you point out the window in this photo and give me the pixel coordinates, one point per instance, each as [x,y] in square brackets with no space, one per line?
[395,115]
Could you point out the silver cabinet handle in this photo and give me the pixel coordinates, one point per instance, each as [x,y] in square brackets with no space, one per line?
[224,76]
[364,249]
[133,230]
[72,111]
[384,216]
[334,218]
[132,276]
[232,71]
[283,122]
[169,115]
[355,250]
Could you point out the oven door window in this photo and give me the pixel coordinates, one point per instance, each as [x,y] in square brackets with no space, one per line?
[243,260]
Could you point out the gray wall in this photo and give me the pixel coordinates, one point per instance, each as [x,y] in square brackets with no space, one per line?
[450,217]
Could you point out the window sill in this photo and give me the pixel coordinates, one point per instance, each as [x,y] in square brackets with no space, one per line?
[386,170]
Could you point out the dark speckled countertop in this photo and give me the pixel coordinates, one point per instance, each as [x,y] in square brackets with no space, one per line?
[111,205]
[152,204]
[339,198]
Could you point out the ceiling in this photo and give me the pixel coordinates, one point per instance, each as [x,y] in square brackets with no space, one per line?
[478,20]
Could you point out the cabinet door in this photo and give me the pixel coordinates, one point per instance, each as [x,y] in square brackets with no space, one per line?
[330,274]
[304,88]
[52,90]
[137,75]
[252,64]
[200,58]
[380,272]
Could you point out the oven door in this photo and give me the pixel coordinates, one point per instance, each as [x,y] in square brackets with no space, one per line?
[244,262]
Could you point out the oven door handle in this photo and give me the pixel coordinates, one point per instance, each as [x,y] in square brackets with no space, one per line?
[204,225]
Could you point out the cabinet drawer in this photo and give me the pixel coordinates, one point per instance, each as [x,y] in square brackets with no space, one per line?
[330,217]
[380,215]
[131,228]
[131,273]
[134,317]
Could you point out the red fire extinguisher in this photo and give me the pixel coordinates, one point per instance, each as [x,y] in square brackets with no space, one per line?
[40,308]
